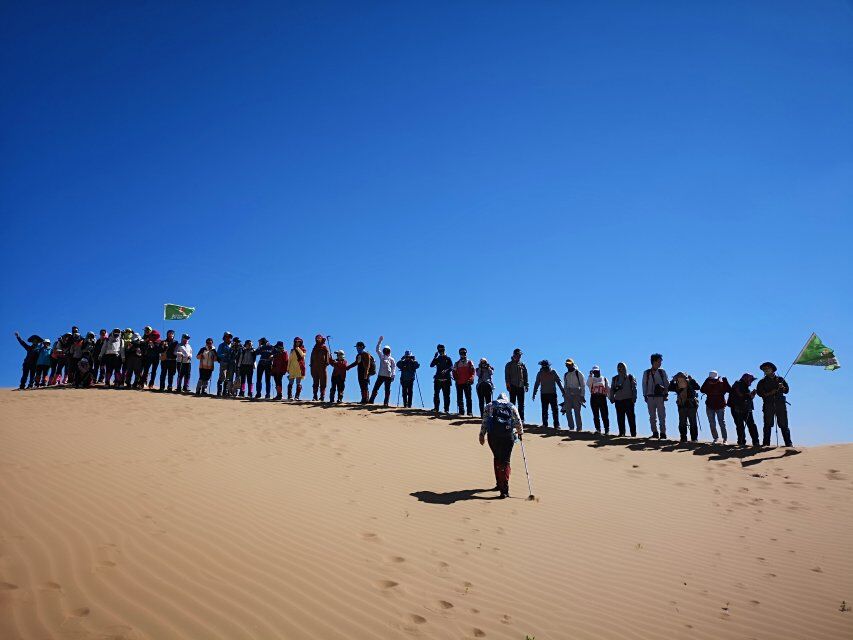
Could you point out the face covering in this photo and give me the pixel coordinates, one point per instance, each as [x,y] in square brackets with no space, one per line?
[571,367]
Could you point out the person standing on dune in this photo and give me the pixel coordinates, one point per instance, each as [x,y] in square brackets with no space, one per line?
[741,405]
[515,376]
[441,381]
[320,359]
[365,367]
[772,389]
[655,387]
[550,382]
[339,377]
[464,374]
[574,393]
[715,389]
[223,356]
[623,394]
[28,367]
[387,371]
[279,367]
[408,367]
[502,425]
[184,360]
[686,400]
[264,353]
[485,383]
[599,391]
[296,368]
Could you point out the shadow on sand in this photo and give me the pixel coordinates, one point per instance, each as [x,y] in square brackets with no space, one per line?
[449,497]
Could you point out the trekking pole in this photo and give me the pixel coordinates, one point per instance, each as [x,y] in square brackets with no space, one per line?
[776,427]
[526,471]
[399,387]
[423,406]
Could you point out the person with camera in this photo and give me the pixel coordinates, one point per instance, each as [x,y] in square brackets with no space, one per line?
[443,366]
[515,374]
[772,389]
[485,383]
[740,404]
[574,392]
[655,386]
[623,394]
[687,401]
[408,367]
[715,389]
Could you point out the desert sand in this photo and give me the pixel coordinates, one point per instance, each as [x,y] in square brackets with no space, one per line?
[139,515]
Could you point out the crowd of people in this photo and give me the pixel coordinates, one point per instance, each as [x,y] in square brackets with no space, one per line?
[125,359]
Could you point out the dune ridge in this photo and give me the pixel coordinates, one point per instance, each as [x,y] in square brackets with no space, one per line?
[142,515]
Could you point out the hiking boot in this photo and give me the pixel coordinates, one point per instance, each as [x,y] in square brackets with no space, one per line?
[258,395]
[266,396]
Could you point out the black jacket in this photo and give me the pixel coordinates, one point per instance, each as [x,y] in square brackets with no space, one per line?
[772,388]
[443,366]
[740,397]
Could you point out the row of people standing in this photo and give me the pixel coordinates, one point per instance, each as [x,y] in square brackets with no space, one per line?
[125,358]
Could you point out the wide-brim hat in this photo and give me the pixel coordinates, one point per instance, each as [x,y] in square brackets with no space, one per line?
[768,365]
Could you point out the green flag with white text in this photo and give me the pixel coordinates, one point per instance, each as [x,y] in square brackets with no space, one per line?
[817,354]
[176,312]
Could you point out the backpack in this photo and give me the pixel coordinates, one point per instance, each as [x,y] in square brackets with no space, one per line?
[371,367]
[500,422]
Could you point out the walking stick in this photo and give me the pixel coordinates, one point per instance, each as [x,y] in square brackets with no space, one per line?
[423,406]
[399,388]
[526,471]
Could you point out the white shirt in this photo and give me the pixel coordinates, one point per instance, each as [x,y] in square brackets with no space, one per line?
[387,364]
[184,353]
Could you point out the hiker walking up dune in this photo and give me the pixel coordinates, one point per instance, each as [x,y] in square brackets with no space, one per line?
[502,426]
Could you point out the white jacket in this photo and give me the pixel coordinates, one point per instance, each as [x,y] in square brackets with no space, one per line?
[184,353]
[112,346]
[573,384]
[387,364]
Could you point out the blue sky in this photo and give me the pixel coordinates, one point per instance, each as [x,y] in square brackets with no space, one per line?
[595,180]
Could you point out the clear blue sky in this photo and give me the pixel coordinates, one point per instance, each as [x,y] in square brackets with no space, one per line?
[595,180]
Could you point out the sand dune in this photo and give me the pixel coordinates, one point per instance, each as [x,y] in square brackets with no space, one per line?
[139,515]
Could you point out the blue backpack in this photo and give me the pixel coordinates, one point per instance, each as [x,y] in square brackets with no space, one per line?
[500,422]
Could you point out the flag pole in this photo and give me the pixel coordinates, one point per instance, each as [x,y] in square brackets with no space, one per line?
[799,354]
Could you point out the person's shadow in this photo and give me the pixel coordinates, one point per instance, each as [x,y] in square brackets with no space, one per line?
[449,497]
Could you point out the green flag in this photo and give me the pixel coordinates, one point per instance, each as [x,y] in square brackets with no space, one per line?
[176,312]
[817,354]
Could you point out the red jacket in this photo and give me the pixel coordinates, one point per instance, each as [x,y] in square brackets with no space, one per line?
[279,363]
[463,372]
[716,391]
[339,369]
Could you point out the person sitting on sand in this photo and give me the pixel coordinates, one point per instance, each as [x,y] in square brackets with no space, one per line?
[772,389]
[741,405]
[83,379]
[685,389]
[502,426]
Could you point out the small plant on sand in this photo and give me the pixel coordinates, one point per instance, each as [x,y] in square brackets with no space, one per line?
[526,637]
[844,608]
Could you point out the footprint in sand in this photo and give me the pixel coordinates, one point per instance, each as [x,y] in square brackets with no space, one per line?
[396,559]
[386,584]
[7,586]
[506,619]
[370,536]
[478,633]
[82,612]
[444,604]
[51,586]
[414,617]
[106,564]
